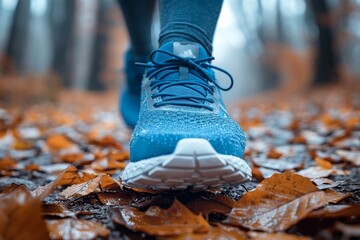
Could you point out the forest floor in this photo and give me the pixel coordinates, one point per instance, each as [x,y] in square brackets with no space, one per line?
[61,164]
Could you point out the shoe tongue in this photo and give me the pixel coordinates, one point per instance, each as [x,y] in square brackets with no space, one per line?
[186,50]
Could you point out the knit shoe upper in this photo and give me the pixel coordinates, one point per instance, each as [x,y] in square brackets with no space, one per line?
[180,98]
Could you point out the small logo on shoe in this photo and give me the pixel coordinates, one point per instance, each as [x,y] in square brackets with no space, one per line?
[187,54]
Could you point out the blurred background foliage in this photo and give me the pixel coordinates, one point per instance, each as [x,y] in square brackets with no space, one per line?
[49,45]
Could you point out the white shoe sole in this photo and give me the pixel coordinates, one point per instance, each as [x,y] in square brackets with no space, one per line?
[194,164]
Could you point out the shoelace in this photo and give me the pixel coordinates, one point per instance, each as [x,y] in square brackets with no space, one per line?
[196,67]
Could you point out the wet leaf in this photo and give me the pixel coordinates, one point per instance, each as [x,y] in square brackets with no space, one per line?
[219,232]
[76,229]
[56,210]
[335,197]
[176,220]
[98,184]
[217,204]
[336,211]
[20,216]
[277,203]
[118,198]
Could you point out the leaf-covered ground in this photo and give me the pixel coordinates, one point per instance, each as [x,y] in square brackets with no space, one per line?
[61,164]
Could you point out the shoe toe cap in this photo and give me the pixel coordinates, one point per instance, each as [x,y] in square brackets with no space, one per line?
[158,132]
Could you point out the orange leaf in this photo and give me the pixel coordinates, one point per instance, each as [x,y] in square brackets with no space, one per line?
[336,211]
[272,153]
[323,163]
[114,198]
[20,216]
[176,220]
[76,229]
[58,142]
[94,185]
[56,210]
[277,203]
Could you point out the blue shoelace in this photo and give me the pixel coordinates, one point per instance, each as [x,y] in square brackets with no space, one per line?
[197,67]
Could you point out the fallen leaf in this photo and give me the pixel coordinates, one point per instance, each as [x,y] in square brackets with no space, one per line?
[315,172]
[335,197]
[276,164]
[219,232]
[336,211]
[76,229]
[57,210]
[176,220]
[23,145]
[7,163]
[58,142]
[118,198]
[277,203]
[273,153]
[20,216]
[350,156]
[275,236]
[323,163]
[98,184]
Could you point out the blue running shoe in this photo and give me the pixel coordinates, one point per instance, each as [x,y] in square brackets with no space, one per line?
[184,137]
[130,94]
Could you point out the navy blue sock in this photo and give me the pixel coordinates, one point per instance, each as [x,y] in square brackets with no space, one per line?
[189,20]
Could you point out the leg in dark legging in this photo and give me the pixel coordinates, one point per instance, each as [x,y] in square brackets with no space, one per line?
[189,20]
[138,15]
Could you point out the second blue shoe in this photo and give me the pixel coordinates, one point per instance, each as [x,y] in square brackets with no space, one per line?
[184,137]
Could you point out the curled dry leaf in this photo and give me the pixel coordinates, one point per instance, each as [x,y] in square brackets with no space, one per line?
[75,229]
[176,220]
[57,210]
[98,184]
[277,203]
[20,216]
[335,197]
[68,177]
[336,211]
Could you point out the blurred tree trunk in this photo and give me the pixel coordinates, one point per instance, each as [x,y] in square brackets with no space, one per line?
[62,25]
[326,59]
[16,45]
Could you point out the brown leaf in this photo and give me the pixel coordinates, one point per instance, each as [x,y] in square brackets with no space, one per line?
[57,210]
[23,145]
[217,204]
[7,163]
[68,177]
[76,229]
[350,156]
[273,153]
[94,185]
[58,142]
[336,211]
[277,203]
[335,197]
[219,232]
[115,198]
[176,220]
[323,163]
[315,172]
[282,236]
[20,216]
